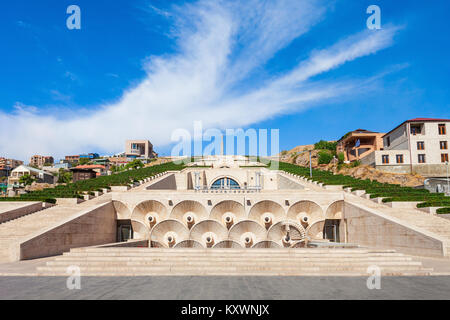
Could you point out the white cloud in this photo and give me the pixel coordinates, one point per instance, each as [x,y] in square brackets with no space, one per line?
[220,46]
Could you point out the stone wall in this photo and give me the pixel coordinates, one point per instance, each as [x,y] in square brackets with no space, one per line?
[370,228]
[10,211]
[168,183]
[94,226]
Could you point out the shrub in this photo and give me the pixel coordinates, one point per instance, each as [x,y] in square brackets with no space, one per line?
[83,161]
[325,157]
[392,192]
[75,190]
[26,180]
[325,145]
[341,158]
[443,210]
[355,164]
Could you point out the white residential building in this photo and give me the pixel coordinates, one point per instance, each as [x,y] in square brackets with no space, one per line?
[40,175]
[419,146]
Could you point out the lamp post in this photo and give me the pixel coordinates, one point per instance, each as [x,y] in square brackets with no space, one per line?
[448,181]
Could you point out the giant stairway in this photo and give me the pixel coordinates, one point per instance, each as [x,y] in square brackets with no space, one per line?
[13,231]
[232,262]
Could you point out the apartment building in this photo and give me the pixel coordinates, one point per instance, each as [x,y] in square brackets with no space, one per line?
[9,164]
[139,149]
[40,161]
[72,159]
[90,156]
[418,145]
[360,143]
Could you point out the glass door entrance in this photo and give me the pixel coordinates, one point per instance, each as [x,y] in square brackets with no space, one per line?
[124,231]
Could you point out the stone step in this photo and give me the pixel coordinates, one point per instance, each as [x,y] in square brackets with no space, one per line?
[417,273]
[311,251]
[231,255]
[231,269]
[204,264]
[226,259]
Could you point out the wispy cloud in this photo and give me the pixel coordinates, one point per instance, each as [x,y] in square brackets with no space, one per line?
[221,45]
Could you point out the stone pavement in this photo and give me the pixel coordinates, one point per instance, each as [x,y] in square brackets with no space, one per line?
[225,288]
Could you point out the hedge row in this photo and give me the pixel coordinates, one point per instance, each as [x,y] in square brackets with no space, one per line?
[443,210]
[17,199]
[77,189]
[390,192]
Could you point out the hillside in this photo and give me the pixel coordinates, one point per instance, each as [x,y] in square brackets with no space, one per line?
[361,171]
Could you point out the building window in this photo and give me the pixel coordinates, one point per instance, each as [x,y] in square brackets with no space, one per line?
[443,145]
[442,129]
[385,159]
[421,158]
[444,157]
[399,158]
[388,141]
[420,145]
[225,183]
[416,129]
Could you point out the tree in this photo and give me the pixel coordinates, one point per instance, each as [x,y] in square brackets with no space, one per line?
[27,180]
[83,161]
[64,176]
[325,145]
[135,164]
[341,157]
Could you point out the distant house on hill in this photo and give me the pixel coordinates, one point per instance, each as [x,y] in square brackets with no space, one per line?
[87,172]
[40,175]
[418,145]
[360,143]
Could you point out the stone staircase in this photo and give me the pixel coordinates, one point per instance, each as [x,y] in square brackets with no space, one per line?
[13,231]
[426,221]
[233,262]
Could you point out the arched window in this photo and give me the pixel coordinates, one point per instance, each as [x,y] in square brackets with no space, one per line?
[225,183]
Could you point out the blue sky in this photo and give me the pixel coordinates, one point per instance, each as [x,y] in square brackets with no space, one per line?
[142,69]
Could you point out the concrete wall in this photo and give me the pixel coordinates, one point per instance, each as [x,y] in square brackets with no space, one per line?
[168,183]
[395,168]
[10,211]
[392,157]
[399,139]
[430,170]
[369,160]
[245,178]
[368,227]
[88,228]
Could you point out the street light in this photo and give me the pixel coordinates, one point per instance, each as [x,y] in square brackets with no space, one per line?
[448,181]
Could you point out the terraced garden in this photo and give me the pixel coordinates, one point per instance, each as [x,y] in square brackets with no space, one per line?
[78,189]
[389,192]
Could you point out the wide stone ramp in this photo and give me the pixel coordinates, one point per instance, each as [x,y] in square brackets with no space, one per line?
[232,262]
[13,232]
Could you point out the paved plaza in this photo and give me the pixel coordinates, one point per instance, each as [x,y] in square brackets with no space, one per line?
[225,288]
